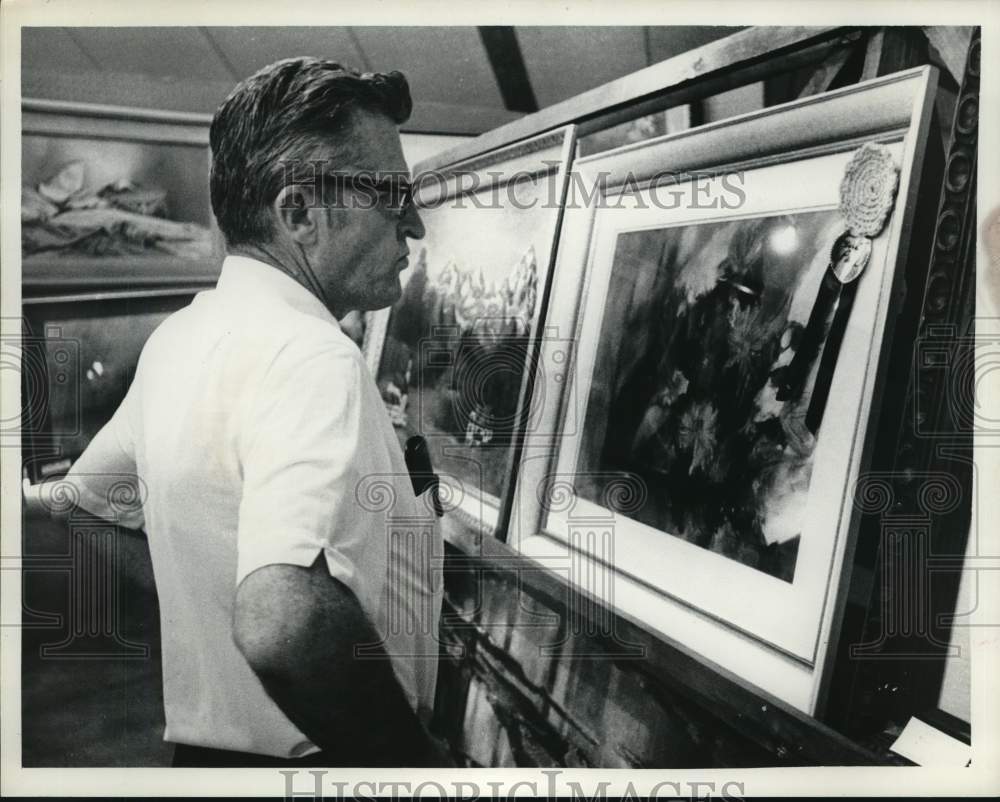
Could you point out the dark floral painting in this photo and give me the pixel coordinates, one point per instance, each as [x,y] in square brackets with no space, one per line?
[700,322]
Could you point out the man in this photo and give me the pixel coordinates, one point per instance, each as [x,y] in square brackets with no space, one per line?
[299,622]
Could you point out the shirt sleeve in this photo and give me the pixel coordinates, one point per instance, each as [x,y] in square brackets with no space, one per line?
[302,456]
[104,480]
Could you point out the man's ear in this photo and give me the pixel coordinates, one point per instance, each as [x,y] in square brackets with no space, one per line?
[297,214]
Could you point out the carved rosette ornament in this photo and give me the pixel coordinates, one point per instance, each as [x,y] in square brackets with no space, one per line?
[868,190]
[867,195]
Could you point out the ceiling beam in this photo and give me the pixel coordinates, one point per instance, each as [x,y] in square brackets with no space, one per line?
[507,61]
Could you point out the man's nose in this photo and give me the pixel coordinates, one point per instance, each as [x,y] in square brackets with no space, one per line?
[412,225]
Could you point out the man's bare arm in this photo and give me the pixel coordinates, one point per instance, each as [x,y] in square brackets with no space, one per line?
[298,628]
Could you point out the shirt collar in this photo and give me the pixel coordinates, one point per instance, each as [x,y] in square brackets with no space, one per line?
[242,274]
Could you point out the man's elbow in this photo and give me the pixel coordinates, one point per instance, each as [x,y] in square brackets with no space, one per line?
[296,625]
[277,650]
[262,648]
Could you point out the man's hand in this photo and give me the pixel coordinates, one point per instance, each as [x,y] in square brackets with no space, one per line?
[32,496]
[39,502]
[298,629]
[440,754]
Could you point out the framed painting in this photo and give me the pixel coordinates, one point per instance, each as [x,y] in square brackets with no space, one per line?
[452,357]
[723,296]
[79,355]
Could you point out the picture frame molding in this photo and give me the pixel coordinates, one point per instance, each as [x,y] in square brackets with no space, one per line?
[887,110]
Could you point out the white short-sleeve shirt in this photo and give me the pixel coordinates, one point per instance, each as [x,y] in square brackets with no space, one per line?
[256,436]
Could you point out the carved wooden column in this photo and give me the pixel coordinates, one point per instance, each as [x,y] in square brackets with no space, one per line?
[916,504]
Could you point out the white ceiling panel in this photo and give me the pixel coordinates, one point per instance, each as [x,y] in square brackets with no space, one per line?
[248,49]
[563,62]
[52,49]
[165,52]
[453,84]
[667,42]
[448,65]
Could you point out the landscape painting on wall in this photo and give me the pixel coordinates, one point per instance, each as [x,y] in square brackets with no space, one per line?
[457,345]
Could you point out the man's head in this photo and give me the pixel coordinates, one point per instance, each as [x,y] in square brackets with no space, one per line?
[272,140]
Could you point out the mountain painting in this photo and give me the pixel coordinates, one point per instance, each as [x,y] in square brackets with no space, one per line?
[457,342]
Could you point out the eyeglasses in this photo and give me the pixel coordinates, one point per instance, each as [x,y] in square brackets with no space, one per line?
[391,191]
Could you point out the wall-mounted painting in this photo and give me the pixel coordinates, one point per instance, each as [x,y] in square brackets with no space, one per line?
[726,291]
[699,321]
[451,357]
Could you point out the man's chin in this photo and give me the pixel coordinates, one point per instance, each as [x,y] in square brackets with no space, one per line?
[388,298]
